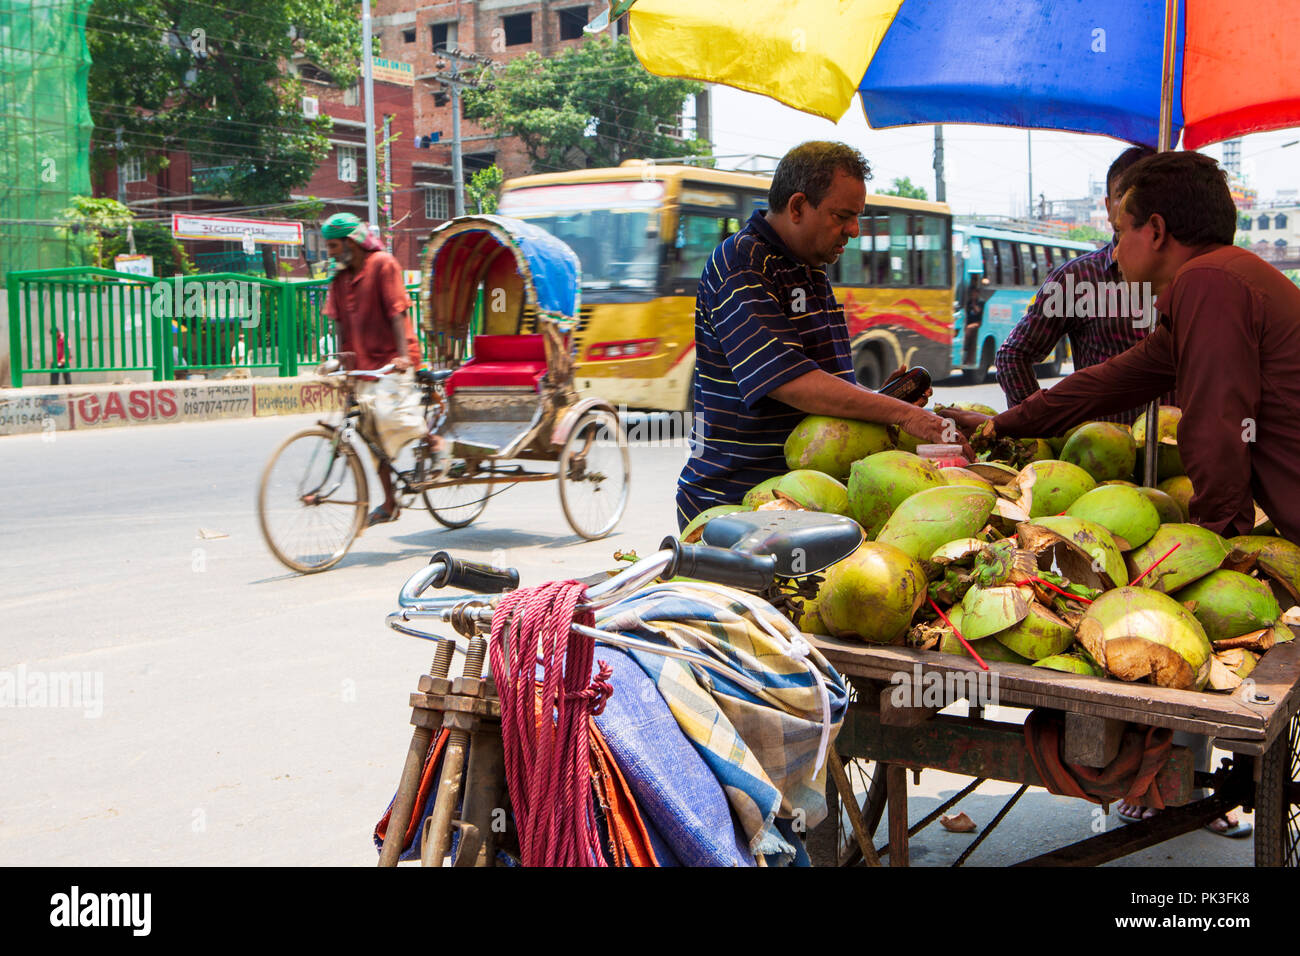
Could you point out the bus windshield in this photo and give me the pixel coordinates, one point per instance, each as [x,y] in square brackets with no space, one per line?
[613,227]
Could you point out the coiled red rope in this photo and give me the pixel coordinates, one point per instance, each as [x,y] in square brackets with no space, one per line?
[544,724]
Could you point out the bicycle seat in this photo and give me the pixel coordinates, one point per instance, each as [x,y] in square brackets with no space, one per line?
[804,542]
[433,376]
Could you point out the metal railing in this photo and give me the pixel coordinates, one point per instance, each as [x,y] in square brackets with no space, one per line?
[117,322]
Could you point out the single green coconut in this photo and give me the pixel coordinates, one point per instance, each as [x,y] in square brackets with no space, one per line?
[1276,557]
[1121,509]
[1199,552]
[814,490]
[931,518]
[1170,511]
[1102,449]
[695,527]
[1084,551]
[1041,634]
[906,441]
[832,445]
[1179,487]
[1168,462]
[986,611]
[881,482]
[1141,634]
[1049,487]
[1038,448]
[872,594]
[1229,603]
[1071,664]
[987,648]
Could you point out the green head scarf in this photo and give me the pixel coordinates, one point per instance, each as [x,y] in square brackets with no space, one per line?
[344,225]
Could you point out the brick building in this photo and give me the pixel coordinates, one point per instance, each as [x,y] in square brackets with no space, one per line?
[418,109]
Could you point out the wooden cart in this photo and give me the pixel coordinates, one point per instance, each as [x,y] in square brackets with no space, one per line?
[1257,723]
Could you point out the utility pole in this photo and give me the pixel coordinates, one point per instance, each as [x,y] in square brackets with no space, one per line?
[1029,138]
[940,193]
[452,65]
[372,200]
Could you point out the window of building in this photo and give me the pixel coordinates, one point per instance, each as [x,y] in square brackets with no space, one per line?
[133,169]
[1280,243]
[1279,221]
[408,36]
[347,159]
[437,202]
[572,20]
[314,74]
[352,95]
[1244,222]
[444,36]
[519,28]
[1263,222]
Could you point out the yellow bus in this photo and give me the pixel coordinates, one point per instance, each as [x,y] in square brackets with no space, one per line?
[644,232]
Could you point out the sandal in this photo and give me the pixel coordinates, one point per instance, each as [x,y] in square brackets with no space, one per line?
[1130,817]
[1235,831]
[382,515]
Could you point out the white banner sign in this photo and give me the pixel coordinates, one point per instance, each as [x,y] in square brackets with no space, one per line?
[135,265]
[277,232]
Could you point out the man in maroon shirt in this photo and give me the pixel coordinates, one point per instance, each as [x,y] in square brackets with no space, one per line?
[1228,341]
[367,300]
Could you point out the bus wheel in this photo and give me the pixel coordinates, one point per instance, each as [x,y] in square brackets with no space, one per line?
[868,368]
[980,374]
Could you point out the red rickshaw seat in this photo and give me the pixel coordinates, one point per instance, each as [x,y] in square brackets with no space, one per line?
[500,361]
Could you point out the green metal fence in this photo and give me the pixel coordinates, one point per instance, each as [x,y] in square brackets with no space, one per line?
[115,322]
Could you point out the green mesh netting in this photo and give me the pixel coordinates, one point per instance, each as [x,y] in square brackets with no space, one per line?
[45,130]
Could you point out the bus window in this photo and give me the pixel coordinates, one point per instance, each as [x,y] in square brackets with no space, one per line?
[900,250]
[874,239]
[1008,273]
[698,234]
[1040,260]
[990,262]
[1028,266]
[850,263]
[931,251]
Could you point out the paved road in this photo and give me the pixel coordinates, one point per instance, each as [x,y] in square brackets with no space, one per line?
[251,716]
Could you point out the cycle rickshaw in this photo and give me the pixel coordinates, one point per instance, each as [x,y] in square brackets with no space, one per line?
[497,395]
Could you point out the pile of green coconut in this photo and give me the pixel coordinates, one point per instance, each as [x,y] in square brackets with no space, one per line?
[1062,563]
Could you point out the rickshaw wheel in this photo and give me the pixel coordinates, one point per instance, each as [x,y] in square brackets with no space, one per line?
[593,474]
[457,506]
[1277,801]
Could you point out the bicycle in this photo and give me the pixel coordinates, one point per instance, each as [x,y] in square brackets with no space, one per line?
[313,498]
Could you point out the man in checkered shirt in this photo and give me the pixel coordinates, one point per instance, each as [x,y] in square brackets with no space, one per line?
[1103,327]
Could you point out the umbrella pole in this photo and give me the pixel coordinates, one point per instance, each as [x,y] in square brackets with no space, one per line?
[1164,145]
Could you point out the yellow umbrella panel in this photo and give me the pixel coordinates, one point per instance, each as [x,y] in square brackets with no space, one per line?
[810,56]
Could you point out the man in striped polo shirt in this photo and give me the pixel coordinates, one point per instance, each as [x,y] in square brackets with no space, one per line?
[1074,301]
[771,342]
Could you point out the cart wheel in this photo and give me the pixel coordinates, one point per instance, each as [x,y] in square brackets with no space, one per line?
[1277,801]
[455,505]
[312,501]
[593,473]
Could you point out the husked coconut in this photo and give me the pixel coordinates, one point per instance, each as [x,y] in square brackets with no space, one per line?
[1140,634]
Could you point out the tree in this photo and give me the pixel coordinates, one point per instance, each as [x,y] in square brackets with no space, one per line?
[905,188]
[1089,234]
[211,79]
[484,189]
[591,105]
[105,223]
